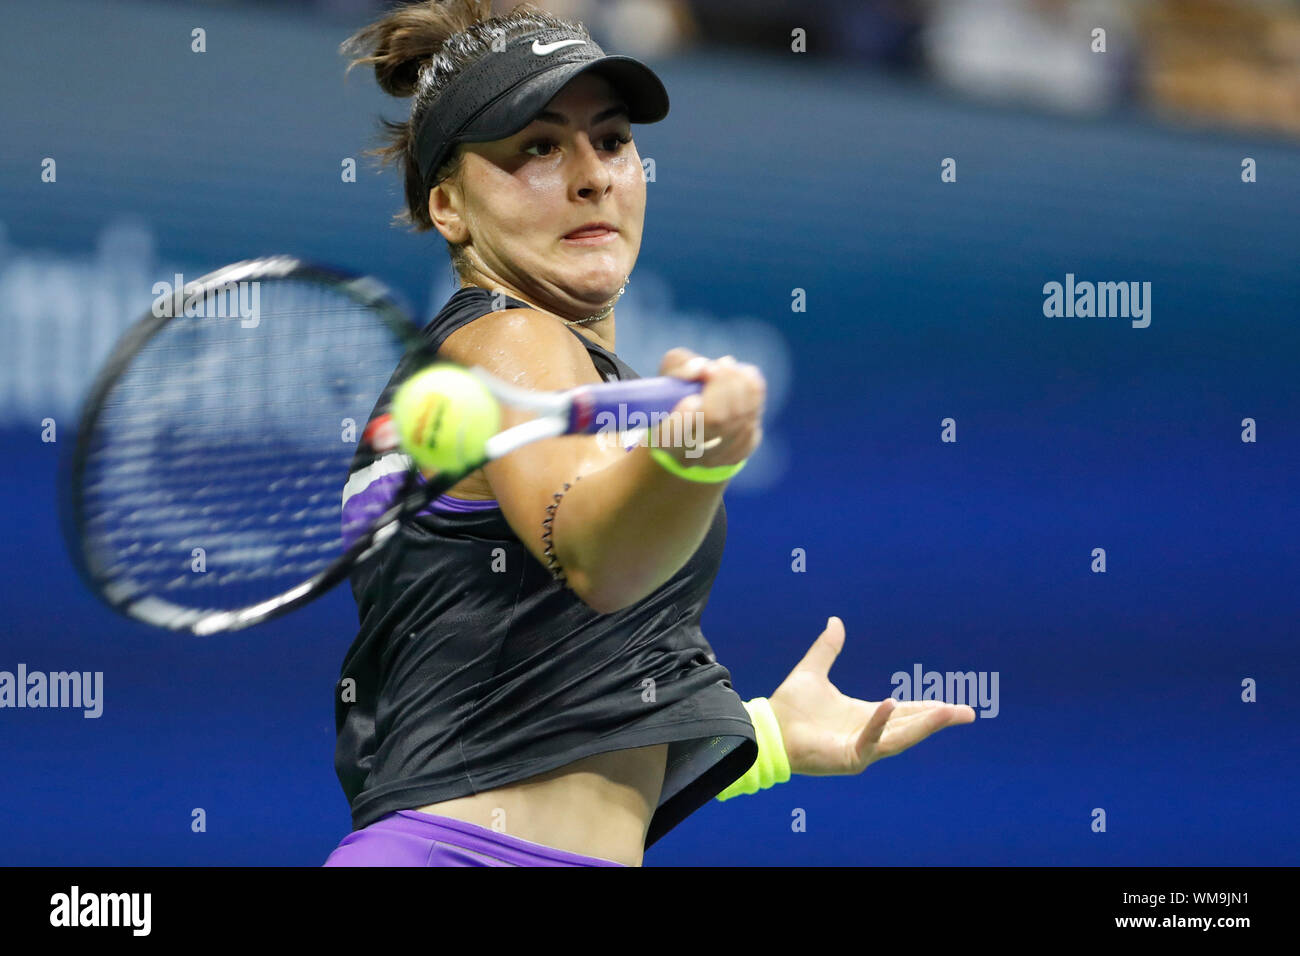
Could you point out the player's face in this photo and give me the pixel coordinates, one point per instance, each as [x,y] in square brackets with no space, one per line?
[520,197]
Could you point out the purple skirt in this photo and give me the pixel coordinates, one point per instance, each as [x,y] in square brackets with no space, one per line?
[413,838]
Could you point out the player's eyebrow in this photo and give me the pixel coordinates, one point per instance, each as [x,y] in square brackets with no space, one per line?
[550,116]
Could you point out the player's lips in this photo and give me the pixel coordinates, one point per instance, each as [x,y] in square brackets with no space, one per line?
[591,234]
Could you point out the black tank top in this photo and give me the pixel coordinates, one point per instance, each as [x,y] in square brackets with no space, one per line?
[473,668]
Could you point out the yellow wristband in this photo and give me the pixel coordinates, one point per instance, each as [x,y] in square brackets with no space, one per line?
[695,472]
[772,766]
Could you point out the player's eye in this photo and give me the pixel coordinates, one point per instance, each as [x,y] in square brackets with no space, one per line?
[549,144]
[543,147]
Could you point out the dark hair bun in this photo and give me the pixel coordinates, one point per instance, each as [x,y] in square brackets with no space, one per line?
[406,39]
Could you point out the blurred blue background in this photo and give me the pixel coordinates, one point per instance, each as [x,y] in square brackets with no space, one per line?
[775,171]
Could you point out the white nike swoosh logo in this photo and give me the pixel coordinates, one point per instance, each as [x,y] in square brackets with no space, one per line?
[541,49]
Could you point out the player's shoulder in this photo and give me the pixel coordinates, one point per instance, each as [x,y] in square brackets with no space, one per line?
[516,330]
[522,341]
[522,321]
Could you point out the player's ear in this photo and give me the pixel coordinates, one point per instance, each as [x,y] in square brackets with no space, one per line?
[446,209]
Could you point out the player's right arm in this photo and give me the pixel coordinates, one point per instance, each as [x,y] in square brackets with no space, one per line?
[629,525]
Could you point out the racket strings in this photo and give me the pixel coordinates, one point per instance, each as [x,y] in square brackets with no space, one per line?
[216,468]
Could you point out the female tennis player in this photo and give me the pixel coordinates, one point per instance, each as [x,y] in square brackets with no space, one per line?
[529,685]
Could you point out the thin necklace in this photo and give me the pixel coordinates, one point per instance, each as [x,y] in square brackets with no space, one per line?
[603,312]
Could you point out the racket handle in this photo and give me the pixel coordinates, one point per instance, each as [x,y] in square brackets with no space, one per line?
[590,404]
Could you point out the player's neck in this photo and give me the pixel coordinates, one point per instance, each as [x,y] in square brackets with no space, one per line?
[601,332]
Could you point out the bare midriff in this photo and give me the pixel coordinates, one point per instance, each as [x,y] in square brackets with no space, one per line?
[599,806]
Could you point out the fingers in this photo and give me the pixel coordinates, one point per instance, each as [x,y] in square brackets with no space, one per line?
[937,718]
[737,389]
[825,649]
[725,425]
[935,710]
[876,725]
[913,721]
[682,363]
[869,737]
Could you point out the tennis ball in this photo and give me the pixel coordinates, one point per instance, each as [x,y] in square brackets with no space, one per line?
[444,418]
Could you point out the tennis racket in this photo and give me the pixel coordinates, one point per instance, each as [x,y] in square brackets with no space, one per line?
[204,490]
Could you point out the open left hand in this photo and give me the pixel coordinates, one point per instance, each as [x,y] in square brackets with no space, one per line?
[828,733]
